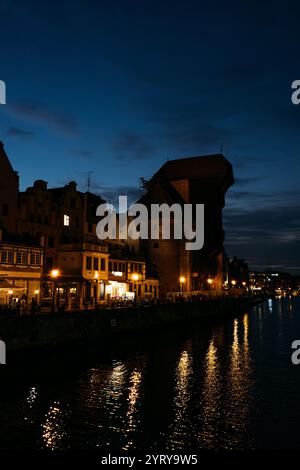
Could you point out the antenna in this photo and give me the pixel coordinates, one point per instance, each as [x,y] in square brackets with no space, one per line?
[89,180]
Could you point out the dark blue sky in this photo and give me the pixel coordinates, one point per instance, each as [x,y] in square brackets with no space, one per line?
[117,87]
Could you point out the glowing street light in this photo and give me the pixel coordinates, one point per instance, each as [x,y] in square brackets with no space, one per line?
[210,281]
[54,274]
[233,282]
[182,280]
[135,277]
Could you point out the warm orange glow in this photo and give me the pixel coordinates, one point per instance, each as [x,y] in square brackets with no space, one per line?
[10,292]
[36,291]
[244,283]
[182,279]
[135,277]
[233,282]
[210,281]
[54,273]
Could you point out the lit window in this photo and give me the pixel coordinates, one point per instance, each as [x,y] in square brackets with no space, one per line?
[66,220]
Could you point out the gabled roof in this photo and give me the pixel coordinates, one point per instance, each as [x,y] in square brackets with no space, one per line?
[5,164]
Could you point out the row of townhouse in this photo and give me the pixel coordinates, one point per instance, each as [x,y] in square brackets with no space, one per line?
[49,249]
[79,270]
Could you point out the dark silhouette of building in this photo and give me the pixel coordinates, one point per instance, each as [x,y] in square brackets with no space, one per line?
[196,180]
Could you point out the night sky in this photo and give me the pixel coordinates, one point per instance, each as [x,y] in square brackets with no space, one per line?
[118,87]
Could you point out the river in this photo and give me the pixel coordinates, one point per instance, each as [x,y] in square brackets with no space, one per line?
[223,384]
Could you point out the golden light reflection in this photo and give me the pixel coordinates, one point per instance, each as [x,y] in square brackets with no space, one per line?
[211,411]
[240,385]
[179,427]
[246,332]
[114,391]
[132,412]
[54,430]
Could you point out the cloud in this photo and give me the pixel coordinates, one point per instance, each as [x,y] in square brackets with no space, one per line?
[111,194]
[247,180]
[40,114]
[131,146]
[87,154]
[264,233]
[16,132]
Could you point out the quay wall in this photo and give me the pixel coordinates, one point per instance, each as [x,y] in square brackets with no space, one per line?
[48,330]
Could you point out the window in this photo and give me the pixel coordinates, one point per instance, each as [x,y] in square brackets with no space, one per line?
[110,267]
[46,220]
[88,263]
[146,288]
[96,264]
[22,257]
[7,257]
[5,209]
[90,227]
[66,220]
[35,259]
[51,242]
[73,203]
[102,264]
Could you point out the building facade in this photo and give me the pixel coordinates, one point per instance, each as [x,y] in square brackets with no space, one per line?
[197,180]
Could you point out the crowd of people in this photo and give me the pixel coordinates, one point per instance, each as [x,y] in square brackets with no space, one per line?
[21,306]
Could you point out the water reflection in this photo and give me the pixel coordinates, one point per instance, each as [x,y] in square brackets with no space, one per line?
[54,428]
[270,305]
[32,396]
[132,411]
[181,425]
[112,395]
[239,392]
[212,387]
[209,388]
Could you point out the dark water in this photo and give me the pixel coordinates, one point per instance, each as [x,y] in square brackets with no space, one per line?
[228,384]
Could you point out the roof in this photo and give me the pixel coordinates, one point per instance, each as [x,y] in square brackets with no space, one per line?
[205,166]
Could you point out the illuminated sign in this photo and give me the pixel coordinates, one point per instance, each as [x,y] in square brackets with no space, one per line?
[117,273]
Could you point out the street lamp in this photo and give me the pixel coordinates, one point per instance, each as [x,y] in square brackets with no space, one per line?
[182,282]
[54,275]
[209,281]
[233,282]
[135,277]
